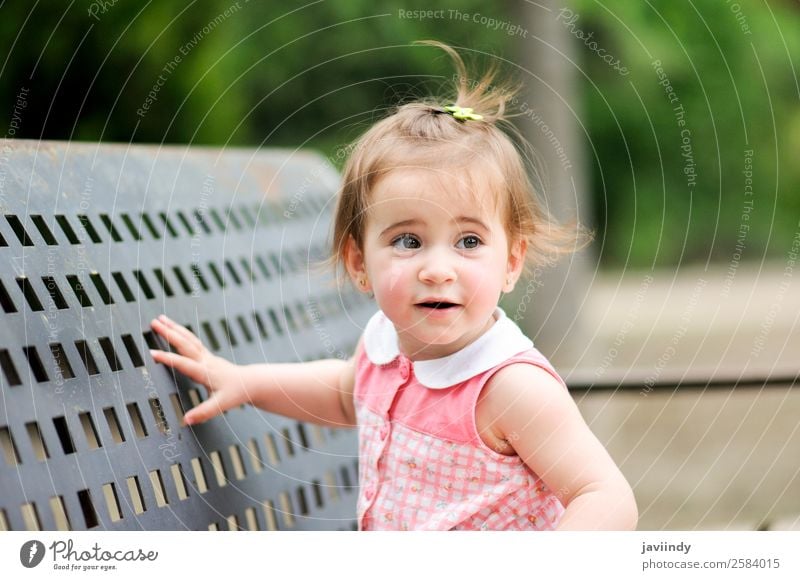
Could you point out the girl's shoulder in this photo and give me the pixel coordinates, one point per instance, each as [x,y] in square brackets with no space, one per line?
[525,382]
[526,367]
[527,378]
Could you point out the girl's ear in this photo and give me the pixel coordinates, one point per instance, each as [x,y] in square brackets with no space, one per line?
[356,266]
[516,263]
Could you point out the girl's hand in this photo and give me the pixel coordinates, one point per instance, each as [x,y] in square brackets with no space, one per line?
[221,378]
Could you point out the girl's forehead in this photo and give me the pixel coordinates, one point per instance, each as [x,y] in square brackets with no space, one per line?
[422,188]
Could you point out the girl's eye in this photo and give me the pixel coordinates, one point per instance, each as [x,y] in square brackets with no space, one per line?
[469,242]
[406,242]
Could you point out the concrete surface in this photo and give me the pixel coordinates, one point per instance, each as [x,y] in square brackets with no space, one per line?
[697,458]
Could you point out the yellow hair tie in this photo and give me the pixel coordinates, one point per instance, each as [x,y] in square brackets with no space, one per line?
[463,113]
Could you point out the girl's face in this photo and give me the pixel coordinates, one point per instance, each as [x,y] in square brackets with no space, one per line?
[437,257]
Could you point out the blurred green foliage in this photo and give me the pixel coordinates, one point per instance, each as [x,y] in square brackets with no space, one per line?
[282,74]
[732,67]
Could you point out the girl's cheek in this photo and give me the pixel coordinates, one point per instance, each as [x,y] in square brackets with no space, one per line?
[394,279]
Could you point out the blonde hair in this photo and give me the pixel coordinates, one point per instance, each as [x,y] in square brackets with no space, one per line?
[422,134]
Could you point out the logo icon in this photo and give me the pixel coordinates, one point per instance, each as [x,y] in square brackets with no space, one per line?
[31,553]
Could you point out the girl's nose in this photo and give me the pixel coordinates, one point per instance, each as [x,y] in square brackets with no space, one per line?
[437,268]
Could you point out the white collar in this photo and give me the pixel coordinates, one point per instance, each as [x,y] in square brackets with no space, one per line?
[504,339]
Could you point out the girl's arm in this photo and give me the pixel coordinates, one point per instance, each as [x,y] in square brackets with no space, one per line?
[319,391]
[537,416]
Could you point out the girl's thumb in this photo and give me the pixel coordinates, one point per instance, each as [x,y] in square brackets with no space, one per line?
[206,410]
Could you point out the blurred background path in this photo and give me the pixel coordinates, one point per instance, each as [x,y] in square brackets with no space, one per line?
[698,458]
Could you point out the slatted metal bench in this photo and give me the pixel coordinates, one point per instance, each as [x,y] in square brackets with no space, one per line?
[99,239]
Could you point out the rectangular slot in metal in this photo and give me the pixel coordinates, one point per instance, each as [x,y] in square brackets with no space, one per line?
[123,286]
[180,481]
[64,369]
[86,357]
[87,507]
[101,287]
[31,517]
[255,456]
[19,230]
[44,230]
[272,449]
[236,461]
[158,488]
[30,294]
[219,468]
[60,515]
[158,415]
[78,290]
[136,420]
[113,425]
[111,355]
[199,475]
[62,430]
[9,370]
[37,441]
[10,452]
[269,515]
[63,223]
[133,351]
[89,430]
[35,363]
[251,519]
[110,227]
[286,509]
[135,491]
[112,501]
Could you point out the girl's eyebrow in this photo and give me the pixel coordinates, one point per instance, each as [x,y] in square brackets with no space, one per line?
[414,222]
[471,220]
[403,223]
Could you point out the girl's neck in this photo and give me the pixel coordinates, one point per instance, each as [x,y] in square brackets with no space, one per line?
[418,351]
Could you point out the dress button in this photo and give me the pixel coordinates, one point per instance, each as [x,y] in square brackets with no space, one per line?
[404,364]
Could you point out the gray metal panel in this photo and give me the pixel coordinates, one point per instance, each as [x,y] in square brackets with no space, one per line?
[96,240]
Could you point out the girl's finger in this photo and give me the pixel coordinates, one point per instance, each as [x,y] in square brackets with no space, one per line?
[185,332]
[175,338]
[215,405]
[185,365]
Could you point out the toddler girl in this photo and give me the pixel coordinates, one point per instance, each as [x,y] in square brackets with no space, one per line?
[462,423]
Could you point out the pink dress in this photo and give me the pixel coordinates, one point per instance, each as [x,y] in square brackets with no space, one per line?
[422,463]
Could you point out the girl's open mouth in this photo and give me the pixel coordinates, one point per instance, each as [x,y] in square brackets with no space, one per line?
[437,305]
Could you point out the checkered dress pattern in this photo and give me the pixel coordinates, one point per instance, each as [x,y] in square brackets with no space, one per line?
[413,478]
